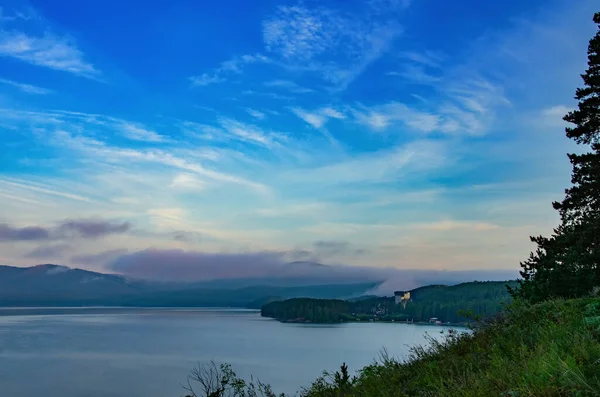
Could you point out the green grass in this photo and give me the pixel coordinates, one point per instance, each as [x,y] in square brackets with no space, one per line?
[549,349]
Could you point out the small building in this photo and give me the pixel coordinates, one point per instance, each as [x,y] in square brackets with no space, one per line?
[433,320]
[401,297]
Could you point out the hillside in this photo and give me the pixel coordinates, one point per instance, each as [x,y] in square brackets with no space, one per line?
[447,303]
[549,349]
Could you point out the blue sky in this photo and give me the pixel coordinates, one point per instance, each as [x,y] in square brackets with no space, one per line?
[413,134]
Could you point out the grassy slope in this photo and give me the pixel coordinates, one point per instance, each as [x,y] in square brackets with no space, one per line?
[550,349]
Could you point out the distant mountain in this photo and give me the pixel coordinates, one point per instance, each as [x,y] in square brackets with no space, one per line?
[54,285]
[61,279]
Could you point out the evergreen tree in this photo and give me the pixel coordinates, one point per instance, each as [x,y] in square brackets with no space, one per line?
[568,263]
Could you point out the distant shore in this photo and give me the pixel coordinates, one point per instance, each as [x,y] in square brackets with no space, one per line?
[302,321]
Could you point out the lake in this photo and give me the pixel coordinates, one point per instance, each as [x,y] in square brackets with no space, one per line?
[149,352]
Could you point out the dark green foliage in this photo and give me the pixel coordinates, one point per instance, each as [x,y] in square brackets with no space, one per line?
[567,264]
[337,384]
[549,349]
[307,310]
[447,303]
[212,380]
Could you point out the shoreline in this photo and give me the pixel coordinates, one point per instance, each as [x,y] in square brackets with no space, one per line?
[462,325]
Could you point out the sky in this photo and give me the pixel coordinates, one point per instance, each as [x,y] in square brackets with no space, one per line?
[402,134]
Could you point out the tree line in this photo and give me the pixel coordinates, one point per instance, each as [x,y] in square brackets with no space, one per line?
[447,303]
[567,263]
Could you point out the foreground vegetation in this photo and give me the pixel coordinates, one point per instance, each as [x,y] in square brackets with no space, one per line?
[548,349]
[449,304]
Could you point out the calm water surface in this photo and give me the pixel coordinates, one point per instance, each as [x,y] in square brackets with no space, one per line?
[149,352]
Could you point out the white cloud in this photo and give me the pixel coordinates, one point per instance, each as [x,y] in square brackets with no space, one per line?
[28,186]
[554,115]
[417,75]
[249,133]
[27,88]
[430,59]
[205,79]
[139,133]
[255,113]
[315,119]
[332,113]
[168,159]
[272,95]
[296,32]
[202,131]
[464,107]
[256,58]
[57,118]
[377,167]
[336,46]
[288,85]
[231,66]
[22,198]
[374,119]
[24,15]
[319,117]
[48,51]
[187,181]
[381,117]
[66,131]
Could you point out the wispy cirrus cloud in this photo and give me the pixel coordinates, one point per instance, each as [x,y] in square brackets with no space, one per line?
[137,132]
[428,58]
[336,46]
[187,181]
[272,95]
[76,133]
[56,118]
[256,114]
[386,165]
[319,117]
[416,74]
[465,107]
[21,185]
[289,86]
[227,68]
[48,51]
[251,133]
[382,116]
[206,79]
[27,88]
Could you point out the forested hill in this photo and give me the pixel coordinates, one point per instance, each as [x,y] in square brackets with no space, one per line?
[447,303]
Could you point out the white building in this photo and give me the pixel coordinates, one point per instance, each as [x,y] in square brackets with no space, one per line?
[401,297]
